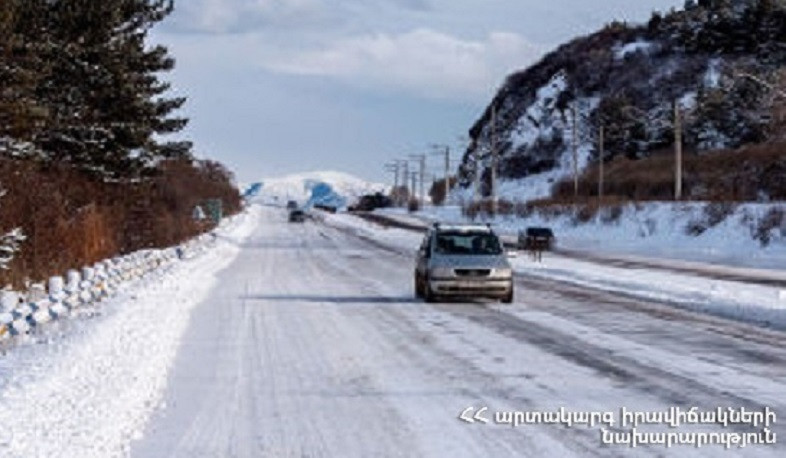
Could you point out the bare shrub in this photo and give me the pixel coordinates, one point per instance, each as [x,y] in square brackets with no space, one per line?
[773,219]
[738,175]
[71,219]
[437,190]
[470,211]
[524,209]
[696,227]
[485,208]
[413,205]
[611,214]
[717,212]
[586,212]
[712,214]
[506,207]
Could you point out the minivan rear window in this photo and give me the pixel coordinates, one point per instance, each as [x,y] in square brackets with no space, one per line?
[467,243]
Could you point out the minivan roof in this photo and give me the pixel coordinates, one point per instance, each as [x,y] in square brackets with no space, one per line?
[462,228]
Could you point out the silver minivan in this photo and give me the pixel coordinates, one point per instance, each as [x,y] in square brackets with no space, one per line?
[462,261]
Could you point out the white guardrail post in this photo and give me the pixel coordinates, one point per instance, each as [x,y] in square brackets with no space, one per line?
[62,297]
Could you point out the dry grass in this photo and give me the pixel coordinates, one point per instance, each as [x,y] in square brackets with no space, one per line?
[583,209]
[71,220]
[722,179]
[728,176]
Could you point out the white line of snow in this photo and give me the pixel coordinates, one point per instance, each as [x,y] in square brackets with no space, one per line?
[740,301]
[622,51]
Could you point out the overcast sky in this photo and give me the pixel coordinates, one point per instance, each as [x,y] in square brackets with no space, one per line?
[283,86]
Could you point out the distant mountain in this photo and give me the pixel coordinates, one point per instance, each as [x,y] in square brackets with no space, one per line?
[717,60]
[328,188]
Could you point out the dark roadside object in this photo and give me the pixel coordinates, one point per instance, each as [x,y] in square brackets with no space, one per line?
[297,216]
[371,202]
[291,205]
[536,238]
[326,208]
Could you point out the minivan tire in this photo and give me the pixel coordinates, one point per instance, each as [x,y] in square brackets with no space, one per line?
[509,298]
[428,295]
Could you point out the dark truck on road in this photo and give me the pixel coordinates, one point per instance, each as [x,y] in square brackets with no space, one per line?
[371,202]
[297,216]
[536,239]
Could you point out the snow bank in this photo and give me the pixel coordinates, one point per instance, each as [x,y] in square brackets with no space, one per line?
[695,231]
[91,389]
[764,305]
[687,231]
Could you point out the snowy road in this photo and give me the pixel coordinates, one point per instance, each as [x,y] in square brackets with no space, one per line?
[311,345]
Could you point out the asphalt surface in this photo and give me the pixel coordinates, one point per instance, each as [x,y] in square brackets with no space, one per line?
[312,345]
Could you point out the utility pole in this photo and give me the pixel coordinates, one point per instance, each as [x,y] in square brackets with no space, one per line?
[414,177]
[601,154]
[423,180]
[575,146]
[421,158]
[446,153]
[476,178]
[494,203]
[404,181]
[393,167]
[677,151]
[677,124]
[403,174]
[447,176]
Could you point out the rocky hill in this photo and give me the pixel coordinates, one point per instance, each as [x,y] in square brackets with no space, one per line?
[720,62]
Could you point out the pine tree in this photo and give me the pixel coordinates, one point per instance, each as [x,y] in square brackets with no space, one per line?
[107,106]
[21,68]
[771,32]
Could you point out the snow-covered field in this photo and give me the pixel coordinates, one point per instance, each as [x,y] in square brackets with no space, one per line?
[86,387]
[749,302]
[654,230]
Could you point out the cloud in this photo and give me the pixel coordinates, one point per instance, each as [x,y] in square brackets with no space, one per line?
[230,16]
[424,61]
[419,5]
[236,16]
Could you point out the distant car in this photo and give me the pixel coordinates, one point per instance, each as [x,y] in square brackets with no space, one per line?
[463,261]
[297,216]
[536,238]
[292,205]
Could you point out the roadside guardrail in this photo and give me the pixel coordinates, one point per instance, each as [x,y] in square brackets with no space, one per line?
[63,296]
